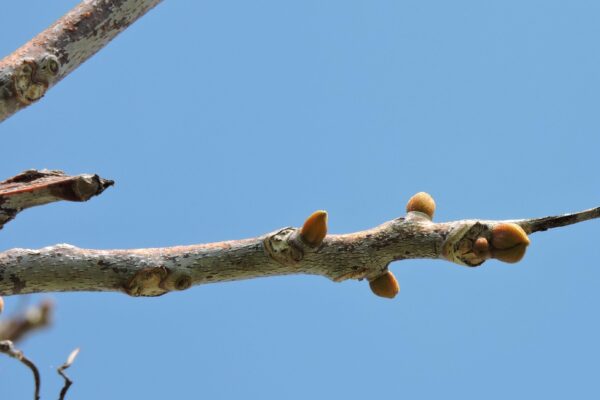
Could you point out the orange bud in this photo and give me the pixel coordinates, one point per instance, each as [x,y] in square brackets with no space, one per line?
[1,304]
[314,229]
[509,242]
[421,202]
[385,285]
[481,246]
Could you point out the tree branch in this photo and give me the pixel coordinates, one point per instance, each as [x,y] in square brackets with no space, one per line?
[33,188]
[61,372]
[34,318]
[31,70]
[542,224]
[7,347]
[307,250]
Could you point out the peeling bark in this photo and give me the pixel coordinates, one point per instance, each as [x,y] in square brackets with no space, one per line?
[361,255]
[34,188]
[31,70]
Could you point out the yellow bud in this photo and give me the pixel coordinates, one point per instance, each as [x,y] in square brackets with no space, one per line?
[385,285]
[509,242]
[314,229]
[1,304]
[422,202]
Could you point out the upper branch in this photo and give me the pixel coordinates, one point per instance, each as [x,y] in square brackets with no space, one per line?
[306,250]
[33,188]
[26,74]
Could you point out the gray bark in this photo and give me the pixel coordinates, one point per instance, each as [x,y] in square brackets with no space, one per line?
[31,70]
[26,75]
[151,272]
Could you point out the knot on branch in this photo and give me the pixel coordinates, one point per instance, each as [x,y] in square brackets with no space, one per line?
[473,242]
[283,246]
[156,281]
[32,78]
[288,245]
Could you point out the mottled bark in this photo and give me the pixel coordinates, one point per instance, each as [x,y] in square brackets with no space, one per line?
[366,254]
[30,71]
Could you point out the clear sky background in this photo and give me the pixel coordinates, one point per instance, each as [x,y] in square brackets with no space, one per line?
[229,119]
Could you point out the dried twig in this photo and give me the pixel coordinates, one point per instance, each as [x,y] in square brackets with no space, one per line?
[37,317]
[33,188]
[61,372]
[545,223]
[7,347]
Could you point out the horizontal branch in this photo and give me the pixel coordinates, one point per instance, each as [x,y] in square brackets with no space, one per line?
[33,188]
[307,250]
[31,70]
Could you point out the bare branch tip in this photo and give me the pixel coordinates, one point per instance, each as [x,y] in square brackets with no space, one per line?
[533,225]
[105,184]
[61,372]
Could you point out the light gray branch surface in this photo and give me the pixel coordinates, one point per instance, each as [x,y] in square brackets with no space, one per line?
[31,70]
[152,272]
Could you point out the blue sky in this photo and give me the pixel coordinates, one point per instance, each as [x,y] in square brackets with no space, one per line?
[492,107]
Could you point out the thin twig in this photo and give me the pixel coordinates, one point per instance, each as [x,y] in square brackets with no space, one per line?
[7,347]
[37,317]
[557,221]
[61,372]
